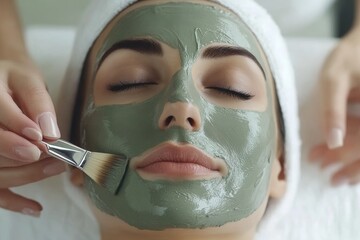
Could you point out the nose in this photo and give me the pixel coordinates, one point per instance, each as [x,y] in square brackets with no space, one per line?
[180,114]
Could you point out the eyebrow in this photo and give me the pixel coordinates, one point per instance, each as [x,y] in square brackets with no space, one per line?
[227,51]
[143,46]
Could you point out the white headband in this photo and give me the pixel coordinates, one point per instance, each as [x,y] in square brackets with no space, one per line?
[100,13]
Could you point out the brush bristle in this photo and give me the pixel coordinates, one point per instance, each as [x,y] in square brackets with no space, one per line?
[104,167]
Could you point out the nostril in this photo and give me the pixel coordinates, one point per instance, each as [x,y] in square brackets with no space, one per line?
[183,115]
[168,120]
[191,121]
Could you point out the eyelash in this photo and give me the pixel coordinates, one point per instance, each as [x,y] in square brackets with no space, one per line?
[233,93]
[122,87]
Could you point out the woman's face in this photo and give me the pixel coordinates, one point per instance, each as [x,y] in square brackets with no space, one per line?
[184,91]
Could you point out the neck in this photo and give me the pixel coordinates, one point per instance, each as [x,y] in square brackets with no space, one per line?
[174,234]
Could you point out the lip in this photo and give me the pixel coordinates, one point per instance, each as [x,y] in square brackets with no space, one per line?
[172,161]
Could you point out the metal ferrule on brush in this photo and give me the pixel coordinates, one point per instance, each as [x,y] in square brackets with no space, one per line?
[67,152]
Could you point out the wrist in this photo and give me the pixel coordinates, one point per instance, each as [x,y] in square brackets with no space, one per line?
[12,43]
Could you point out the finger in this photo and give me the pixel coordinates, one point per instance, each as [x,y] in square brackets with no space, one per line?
[335,93]
[317,152]
[324,156]
[353,128]
[7,162]
[353,125]
[36,103]
[13,119]
[354,95]
[350,173]
[354,180]
[336,157]
[17,148]
[17,176]
[344,155]
[17,203]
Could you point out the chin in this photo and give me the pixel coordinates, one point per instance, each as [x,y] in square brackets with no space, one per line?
[244,228]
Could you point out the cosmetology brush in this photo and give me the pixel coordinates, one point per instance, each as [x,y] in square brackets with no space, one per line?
[101,167]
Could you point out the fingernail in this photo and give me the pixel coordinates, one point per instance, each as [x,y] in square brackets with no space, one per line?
[28,153]
[48,125]
[335,138]
[32,134]
[54,168]
[30,212]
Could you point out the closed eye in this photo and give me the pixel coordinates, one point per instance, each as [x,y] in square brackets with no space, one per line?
[121,87]
[233,93]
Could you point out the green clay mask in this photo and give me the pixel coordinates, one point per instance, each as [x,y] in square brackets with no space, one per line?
[244,139]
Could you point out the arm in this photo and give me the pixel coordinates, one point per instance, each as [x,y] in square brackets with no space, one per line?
[12,45]
[340,85]
[26,115]
[20,76]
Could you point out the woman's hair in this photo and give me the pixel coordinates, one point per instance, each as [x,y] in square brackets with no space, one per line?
[79,106]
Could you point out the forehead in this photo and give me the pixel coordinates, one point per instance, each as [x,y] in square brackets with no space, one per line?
[186,26]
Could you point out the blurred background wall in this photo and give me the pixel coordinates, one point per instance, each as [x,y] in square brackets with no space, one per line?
[67,12]
[51,12]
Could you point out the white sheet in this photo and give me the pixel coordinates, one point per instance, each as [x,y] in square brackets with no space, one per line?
[320,212]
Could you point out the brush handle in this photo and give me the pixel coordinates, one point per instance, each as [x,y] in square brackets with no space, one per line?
[66,152]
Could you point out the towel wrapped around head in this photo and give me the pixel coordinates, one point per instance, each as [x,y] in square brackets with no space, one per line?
[260,23]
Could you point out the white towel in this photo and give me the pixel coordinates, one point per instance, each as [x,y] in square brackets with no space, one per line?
[100,13]
[320,211]
[292,15]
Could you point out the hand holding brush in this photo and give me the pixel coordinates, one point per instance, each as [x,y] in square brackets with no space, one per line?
[98,166]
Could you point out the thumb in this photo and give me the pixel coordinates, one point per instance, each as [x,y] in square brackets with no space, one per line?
[335,91]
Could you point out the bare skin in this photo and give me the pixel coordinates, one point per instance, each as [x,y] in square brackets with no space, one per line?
[19,125]
[23,102]
[111,228]
[340,85]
